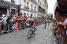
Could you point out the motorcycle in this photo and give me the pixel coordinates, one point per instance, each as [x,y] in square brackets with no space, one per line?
[31,33]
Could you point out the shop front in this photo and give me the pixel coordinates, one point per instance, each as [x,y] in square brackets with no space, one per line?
[3,9]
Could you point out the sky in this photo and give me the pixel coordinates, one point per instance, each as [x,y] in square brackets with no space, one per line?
[51,4]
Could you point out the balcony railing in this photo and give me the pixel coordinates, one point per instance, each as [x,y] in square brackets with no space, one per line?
[34,2]
[40,9]
[12,1]
[26,8]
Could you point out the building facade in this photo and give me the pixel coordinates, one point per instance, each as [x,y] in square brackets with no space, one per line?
[7,6]
[29,7]
[32,8]
[42,8]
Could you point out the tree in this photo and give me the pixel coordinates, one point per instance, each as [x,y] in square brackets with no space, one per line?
[50,16]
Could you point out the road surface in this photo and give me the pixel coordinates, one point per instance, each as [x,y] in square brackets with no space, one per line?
[43,36]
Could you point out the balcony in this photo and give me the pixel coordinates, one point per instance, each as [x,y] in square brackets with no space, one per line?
[40,9]
[34,2]
[25,8]
[12,1]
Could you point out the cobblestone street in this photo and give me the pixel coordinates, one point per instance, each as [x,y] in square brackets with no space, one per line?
[43,36]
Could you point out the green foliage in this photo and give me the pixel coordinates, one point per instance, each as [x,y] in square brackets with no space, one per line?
[50,16]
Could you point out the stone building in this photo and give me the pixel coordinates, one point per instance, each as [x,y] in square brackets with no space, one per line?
[7,6]
[34,8]
[42,8]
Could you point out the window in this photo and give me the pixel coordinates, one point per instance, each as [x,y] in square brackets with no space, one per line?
[31,15]
[27,14]
[13,1]
[40,3]
[13,11]
[38,0]
[27,4]
[31,7]
[34,8]
[24,13]
[24,0]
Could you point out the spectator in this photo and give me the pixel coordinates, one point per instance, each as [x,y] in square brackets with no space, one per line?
[45,21]
[24,19]
[4,18]
[9,25]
